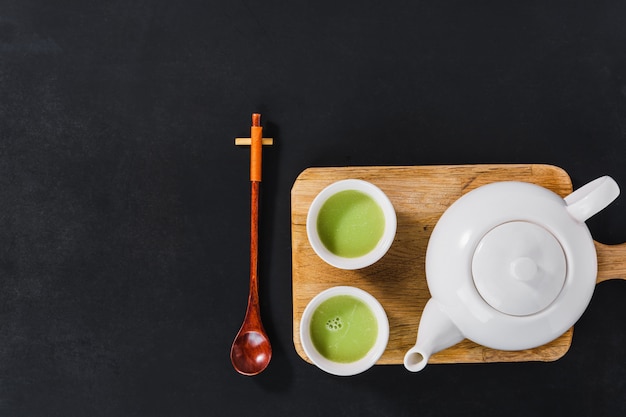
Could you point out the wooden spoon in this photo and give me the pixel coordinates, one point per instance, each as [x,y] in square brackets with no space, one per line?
[251,350]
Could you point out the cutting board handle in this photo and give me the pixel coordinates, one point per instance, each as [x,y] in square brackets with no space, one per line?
[611,261]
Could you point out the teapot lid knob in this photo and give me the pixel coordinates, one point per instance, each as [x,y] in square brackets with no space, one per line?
[519,268]
[524,268]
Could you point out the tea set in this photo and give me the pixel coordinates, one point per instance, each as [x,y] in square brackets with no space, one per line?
[510,265]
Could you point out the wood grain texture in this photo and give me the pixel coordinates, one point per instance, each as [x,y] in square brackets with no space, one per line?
[420,195]
[611,261]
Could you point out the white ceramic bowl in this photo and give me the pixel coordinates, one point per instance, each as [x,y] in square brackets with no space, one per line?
[383,244]
[370,358]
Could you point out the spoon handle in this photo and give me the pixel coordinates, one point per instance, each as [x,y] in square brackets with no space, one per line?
[256,146]
[253,297]
[611,261]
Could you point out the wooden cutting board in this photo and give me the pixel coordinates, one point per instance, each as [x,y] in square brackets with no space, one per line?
[420,195]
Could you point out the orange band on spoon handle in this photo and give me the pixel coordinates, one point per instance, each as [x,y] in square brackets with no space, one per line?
[256,145]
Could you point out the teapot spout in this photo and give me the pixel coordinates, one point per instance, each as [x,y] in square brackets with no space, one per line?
[436,332]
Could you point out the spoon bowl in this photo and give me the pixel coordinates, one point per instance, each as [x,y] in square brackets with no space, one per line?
[251,352]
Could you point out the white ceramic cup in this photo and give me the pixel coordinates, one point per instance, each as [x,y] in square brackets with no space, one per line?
[370,358]
[384,242]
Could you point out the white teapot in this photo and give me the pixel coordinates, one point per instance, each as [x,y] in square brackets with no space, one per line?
[510,266]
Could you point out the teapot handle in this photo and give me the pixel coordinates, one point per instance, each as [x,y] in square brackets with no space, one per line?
[591,198]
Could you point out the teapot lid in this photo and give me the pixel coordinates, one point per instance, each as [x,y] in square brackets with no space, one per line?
[519,268]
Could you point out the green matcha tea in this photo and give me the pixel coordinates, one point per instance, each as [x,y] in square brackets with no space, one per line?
[350,224]
[343,329]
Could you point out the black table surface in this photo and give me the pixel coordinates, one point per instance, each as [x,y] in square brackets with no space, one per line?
[124,204]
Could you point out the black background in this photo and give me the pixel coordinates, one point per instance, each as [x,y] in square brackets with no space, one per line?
[124,203]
